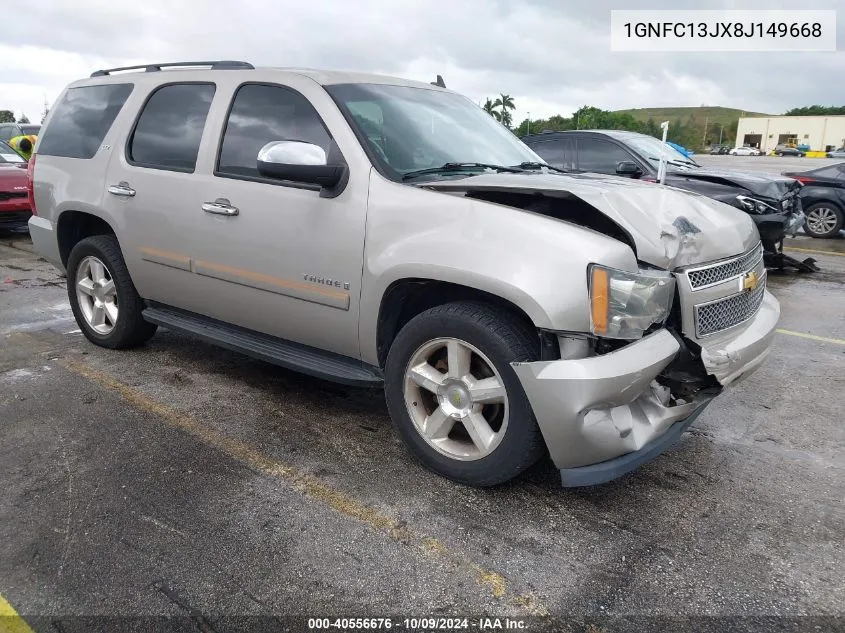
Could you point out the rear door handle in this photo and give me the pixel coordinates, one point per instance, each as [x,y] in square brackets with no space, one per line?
[122,189]
[221,206]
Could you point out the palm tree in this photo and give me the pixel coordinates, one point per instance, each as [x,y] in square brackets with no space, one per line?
[490,108]
[505,102]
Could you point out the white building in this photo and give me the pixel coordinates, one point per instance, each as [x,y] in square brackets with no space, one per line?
[820,133]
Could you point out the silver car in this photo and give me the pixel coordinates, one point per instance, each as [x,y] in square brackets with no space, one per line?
[383,232]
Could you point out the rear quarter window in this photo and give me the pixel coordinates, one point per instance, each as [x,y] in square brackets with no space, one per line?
[81,120]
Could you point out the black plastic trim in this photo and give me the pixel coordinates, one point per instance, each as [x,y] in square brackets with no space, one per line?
[287,354]
[611,469]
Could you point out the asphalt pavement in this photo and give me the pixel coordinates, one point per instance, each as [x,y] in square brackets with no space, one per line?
[181,480]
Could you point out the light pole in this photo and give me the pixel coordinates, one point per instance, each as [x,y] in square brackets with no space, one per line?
[529,124]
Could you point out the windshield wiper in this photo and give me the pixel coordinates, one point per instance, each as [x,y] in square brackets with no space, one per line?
[535,165]
[458,167]
[676,163]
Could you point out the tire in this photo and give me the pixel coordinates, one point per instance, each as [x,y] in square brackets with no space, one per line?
[825,218]
[498,339]
[128,328]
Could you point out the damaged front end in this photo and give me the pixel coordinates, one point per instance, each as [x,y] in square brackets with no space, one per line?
[607,405]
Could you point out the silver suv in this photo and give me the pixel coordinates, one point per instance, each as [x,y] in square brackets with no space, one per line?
[383,232]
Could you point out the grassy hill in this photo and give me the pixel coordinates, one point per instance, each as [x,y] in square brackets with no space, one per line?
[696,118]
[713,114]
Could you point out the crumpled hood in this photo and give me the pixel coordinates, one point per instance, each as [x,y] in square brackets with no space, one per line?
[670,227]
[772,186]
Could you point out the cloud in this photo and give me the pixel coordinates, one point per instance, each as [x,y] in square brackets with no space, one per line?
[552,56]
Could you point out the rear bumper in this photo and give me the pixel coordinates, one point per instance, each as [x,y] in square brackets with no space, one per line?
[45,241]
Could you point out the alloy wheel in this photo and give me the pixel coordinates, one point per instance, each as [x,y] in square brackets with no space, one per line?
[97,295]
[821,220]
[456,399]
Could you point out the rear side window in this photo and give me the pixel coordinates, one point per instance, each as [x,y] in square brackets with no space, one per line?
[261,114]
[169,129]
[556,152]
[81,120]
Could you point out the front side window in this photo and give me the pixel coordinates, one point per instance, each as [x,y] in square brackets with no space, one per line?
[261,114]
[407,128]
[81,120]
[169,130]
[600,155]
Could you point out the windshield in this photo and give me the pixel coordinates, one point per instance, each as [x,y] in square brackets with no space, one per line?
[31,129]
[406,129]
[651,148]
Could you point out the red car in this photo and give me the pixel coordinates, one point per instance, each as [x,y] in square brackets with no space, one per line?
[14,204]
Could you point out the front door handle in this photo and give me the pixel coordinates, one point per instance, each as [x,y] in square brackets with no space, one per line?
[221,206]
[122,189]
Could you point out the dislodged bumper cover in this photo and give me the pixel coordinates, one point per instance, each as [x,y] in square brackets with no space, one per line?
[733,357]
[595,409]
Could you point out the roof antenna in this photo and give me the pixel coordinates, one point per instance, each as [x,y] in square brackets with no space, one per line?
[439,82]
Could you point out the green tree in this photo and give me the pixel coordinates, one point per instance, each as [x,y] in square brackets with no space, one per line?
[816,110]
[7,116]
[23,119]
[490,108]
[506,106]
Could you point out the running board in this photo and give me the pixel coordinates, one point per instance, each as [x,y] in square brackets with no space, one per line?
[294,356]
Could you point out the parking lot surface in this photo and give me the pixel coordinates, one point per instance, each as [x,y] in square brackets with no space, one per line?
[768,164]
[178,479]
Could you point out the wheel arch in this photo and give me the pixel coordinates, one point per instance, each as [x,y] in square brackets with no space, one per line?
[74,226]
[407,297]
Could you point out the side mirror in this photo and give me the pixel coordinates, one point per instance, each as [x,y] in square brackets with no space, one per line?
[628,168]
[298,161]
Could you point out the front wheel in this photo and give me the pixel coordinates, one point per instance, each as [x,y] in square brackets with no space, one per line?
[823,220]
[454,398]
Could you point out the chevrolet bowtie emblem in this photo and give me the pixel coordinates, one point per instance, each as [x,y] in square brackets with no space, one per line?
[750,281]
[456,399]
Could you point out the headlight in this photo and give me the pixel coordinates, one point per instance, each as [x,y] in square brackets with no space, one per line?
[624,305]
[756,206]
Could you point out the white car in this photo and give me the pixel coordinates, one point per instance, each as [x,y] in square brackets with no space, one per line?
[744,151]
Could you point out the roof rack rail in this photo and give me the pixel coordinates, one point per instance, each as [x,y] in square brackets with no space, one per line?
[149,68]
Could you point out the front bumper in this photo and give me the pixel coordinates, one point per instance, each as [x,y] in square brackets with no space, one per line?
[14,219]
[604,416]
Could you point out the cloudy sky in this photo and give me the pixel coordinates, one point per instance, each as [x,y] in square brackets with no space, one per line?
[551,55]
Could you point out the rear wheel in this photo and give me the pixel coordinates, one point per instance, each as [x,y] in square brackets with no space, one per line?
[823,220]
[102,296]
[454,397]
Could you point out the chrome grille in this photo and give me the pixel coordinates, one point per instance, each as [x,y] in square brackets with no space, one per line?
[717,273]
[725,313]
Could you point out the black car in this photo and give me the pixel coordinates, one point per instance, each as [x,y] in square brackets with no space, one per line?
[772,201]
[719,149]
[823,199]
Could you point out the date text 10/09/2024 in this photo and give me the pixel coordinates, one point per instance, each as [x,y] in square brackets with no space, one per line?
[417,624]
[723,29]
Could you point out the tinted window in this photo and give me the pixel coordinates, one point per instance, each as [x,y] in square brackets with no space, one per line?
[81,120]
[261,114]
[7,132]
[600,155]
[556,152]
[169,130]
[30,129]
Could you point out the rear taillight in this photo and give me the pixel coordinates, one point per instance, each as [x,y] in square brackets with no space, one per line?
[803,179]
[30,184]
